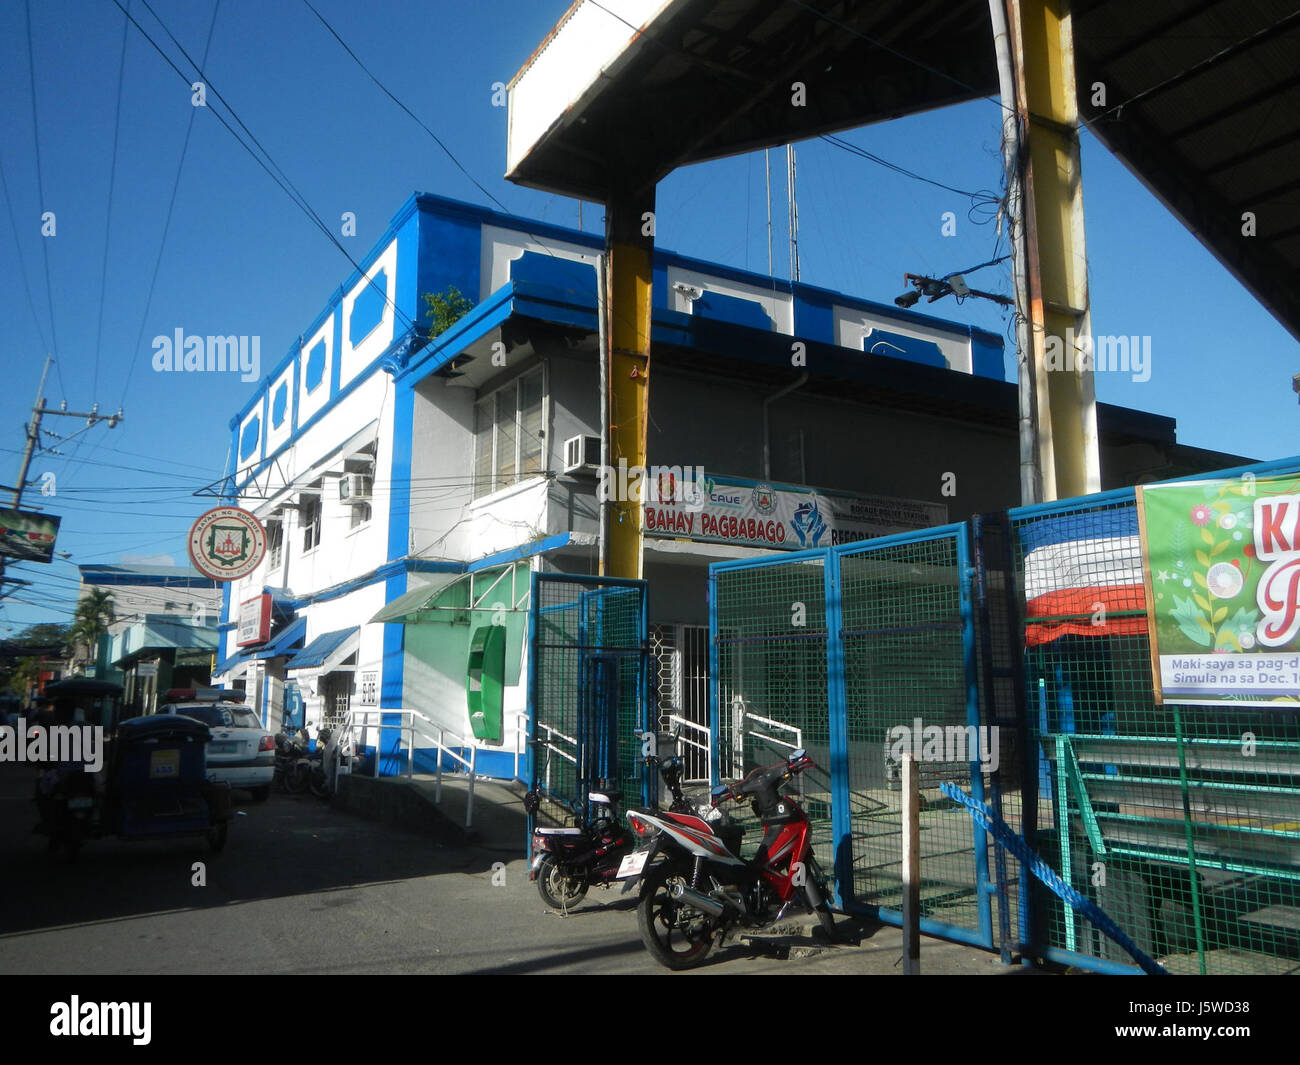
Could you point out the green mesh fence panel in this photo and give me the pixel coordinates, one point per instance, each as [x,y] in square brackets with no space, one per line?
[1181,822]
[771,683]
[1001,698]
[904,668]
[589,654]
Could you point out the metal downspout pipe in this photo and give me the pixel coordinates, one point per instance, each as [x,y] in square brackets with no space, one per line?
[767,443]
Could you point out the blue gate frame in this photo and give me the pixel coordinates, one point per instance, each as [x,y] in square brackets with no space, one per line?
[838,711]
[579,672]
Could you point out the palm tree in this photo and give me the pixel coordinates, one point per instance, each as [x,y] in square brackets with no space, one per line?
[95,613]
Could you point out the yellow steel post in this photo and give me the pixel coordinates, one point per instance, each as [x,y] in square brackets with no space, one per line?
[629,247]
[1061,329]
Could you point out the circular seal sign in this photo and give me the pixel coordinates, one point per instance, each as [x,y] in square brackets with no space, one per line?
[227,543]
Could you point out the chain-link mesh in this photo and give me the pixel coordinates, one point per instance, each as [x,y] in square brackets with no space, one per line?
[771,638]
[589,661]
[1181,822]
[904,668]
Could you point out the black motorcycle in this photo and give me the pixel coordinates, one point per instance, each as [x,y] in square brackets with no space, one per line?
[290,755]
[568,861]
[311,772]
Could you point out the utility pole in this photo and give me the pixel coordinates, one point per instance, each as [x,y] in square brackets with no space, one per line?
[33,430]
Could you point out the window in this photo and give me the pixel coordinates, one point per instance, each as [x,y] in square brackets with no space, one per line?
[309,514]
[274,541]
[510,434]
[360,514]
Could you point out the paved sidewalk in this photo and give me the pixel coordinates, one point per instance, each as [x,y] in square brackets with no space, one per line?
[498,833]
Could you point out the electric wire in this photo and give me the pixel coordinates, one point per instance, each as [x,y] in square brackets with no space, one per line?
[108,213]
[22,262]
[40,184]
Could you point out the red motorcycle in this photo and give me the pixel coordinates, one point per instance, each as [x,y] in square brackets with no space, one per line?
[702,889]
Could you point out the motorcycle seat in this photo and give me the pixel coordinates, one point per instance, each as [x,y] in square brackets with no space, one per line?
[557,831]
[605,798]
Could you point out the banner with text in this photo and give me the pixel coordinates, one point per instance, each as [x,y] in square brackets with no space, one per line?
[1222,571]
[744,514]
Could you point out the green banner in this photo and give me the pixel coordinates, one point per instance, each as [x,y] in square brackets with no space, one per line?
[1221,561]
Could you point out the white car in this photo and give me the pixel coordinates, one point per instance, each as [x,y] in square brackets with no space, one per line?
[241,752]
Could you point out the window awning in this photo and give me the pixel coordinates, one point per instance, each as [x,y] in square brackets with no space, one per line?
[406,606]
[452,597]
[287,641]
[326,652]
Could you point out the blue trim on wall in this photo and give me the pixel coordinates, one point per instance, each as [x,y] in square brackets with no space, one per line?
[399,525]
[735,310]
[225,620]
[439,243]
[514,554]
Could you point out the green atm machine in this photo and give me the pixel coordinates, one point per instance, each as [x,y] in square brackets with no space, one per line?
[485,680]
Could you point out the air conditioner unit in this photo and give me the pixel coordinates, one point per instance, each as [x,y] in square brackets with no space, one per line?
[582,454]
[355,487]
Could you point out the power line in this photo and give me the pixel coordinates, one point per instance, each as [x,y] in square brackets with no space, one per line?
[268,164]
[108,214]
[176,184]
[981,200]
[22,263]
[40,184]
[384,89]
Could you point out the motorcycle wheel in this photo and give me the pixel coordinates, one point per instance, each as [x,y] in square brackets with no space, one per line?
[558,891]
[821,909]
[318,783]
[676,936]
[217,836]
[298,779]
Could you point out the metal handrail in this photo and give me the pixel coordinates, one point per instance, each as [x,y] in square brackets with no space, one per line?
[407,725]
[549,746]
[798,732]
[706,747]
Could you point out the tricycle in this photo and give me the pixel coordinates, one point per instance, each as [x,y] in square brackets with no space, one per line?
[152,784]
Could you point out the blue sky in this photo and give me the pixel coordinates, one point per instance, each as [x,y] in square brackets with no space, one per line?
[240,258]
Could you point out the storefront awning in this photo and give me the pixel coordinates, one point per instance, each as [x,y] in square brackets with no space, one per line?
[326,652]
[161,632]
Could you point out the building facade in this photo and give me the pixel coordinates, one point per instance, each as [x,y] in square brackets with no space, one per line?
[410,483]
[164,632]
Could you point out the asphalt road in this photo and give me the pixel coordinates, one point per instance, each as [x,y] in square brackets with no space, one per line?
[304,888]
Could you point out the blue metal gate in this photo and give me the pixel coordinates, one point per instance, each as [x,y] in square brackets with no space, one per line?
[858,653]
[587,703]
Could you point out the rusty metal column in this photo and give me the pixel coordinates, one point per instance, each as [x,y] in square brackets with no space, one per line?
[629,252]
[1059,320]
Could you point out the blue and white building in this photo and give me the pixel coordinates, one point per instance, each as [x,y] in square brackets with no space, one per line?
[409,484]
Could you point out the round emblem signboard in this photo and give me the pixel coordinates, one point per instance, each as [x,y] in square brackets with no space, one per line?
[227,543]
